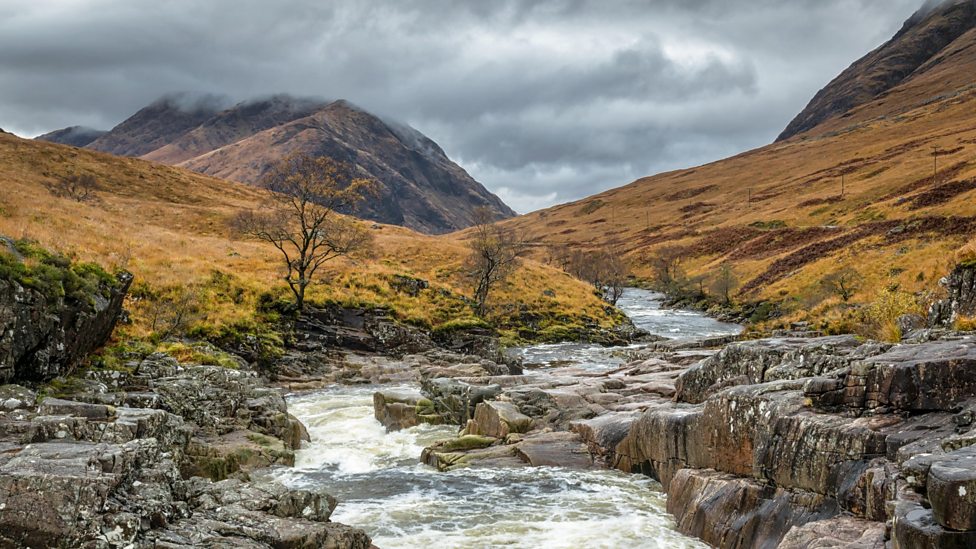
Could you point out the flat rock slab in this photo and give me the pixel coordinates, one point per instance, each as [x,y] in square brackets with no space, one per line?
[915,526]
[952,489]
[558,449]
[59,407]
[840,532]
[934,376]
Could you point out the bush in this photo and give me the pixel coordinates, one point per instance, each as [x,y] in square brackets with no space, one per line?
[55,275]
[880,317]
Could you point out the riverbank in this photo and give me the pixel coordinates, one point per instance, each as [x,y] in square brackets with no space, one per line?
[775,442]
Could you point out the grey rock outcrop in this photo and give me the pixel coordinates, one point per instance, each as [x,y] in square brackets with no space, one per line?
[42,337]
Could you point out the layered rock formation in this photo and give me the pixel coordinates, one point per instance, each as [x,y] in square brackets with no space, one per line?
[783,442]
[151,453]
[45,333]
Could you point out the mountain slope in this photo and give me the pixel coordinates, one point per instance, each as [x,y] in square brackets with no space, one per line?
[158,124]
[234,124]
[76,136]
[912,51]
[858,192]
[421,188]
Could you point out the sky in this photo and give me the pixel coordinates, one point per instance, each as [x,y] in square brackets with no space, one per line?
[542,101]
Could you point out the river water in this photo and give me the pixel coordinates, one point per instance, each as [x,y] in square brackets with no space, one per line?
[403,504]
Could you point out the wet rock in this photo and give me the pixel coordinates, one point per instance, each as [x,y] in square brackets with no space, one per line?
[555,449]
[727,511]
[454,400]
[449,456]
[396,410]
[498,419]
[603,434]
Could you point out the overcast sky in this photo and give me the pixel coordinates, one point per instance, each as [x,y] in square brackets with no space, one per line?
[543,101]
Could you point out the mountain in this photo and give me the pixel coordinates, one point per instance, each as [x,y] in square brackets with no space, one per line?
[159,124]
[76,136]
[914,52]
[232,125]
[420,187]
[886,188]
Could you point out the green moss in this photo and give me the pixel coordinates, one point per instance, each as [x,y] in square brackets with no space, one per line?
[459,325]
[55,276]
[468,442]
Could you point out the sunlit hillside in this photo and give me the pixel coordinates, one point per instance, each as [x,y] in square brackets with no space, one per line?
[170,228]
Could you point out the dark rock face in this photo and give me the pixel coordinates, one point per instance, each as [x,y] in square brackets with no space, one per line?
[961,286]
[41,338]
[921,39]
[76,136]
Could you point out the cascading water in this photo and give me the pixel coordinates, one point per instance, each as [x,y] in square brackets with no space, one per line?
[403,504]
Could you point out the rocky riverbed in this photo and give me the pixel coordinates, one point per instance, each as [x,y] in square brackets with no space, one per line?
[789,442]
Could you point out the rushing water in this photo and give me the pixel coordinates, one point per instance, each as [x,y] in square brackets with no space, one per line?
[383,489]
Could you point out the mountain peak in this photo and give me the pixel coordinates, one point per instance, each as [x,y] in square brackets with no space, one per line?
[421,187]
[936,25]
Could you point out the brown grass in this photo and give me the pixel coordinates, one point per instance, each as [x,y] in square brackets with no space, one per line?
[169,227]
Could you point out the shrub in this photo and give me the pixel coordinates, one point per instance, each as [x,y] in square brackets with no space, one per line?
[880,317]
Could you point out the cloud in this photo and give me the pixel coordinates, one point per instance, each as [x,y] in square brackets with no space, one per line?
[543,101]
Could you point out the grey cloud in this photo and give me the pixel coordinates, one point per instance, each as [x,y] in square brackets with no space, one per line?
[542,100]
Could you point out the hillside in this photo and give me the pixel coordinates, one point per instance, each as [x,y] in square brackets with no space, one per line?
[857,190]
[420,187]
[76,136]
[169,226]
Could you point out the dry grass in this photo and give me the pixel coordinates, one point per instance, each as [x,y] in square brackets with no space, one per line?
[169,227]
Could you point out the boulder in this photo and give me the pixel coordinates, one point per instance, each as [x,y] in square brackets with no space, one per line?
[497,419]
[396,410]
[951,489]
[44,336]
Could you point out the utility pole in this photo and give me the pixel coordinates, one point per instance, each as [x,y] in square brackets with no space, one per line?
[935,162]
[750,195]
[843,182]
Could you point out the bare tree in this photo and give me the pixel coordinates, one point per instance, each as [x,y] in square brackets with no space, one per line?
[80,188]
[725,283]
[495,252]
[667,266]
[844,283]
[613,279]
[300,216]
[173,310]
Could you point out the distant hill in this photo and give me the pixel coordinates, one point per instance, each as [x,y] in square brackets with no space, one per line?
[76,136]
[854,185]
[421,188]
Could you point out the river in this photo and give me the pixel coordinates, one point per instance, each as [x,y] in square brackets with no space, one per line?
[402,504]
